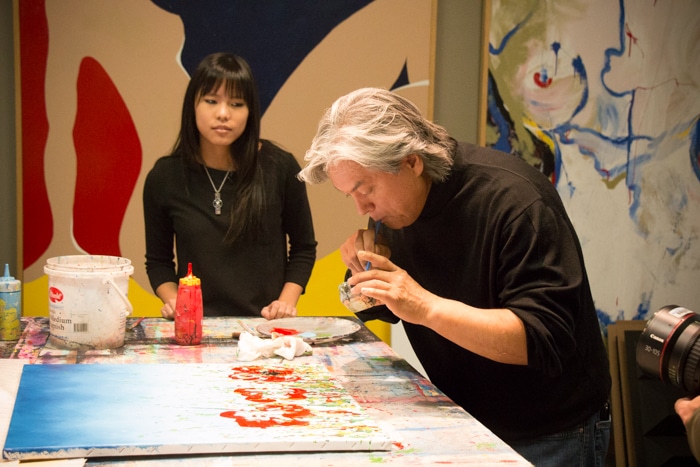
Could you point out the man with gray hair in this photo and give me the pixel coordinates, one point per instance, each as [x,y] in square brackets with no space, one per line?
[479,260]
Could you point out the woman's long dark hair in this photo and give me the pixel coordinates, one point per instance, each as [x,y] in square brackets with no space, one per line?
[232,70]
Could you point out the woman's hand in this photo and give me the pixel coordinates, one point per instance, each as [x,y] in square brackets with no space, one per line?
[168,309]
[279,309]
[285,305]
[167,292]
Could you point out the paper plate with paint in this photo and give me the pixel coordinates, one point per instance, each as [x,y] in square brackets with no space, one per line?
[313,330]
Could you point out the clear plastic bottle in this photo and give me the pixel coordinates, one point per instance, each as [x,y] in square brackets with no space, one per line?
[10,306]
[189,310]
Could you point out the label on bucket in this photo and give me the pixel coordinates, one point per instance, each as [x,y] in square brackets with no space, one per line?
[98,328]
[55,295]
[62,323]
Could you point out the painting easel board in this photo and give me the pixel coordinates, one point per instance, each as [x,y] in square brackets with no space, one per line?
[103,410]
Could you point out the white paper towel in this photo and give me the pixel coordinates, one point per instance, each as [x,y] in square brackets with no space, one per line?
[251,347]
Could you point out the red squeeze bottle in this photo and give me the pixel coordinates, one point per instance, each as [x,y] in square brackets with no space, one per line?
[189,310]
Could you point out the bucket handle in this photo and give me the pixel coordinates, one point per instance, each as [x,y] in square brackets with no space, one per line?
[129,306]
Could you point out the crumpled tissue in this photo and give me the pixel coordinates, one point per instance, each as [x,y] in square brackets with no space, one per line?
[251,347]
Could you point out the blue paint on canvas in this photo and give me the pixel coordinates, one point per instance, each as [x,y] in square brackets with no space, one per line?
[94,410]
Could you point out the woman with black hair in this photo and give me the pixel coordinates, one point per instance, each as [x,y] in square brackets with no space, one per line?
[229,203]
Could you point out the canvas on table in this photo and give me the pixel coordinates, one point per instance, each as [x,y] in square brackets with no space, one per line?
[96,410]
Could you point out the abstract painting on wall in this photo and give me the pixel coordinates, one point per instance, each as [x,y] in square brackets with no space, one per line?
[102,85]
[604,98]
[96,410]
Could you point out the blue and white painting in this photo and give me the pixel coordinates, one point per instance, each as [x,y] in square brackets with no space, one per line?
[604,98]
[103,410]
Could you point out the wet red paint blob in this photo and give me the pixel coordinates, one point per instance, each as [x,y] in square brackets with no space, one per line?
[285,331]
[297,393]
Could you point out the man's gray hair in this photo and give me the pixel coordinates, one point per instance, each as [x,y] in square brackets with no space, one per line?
[377,129]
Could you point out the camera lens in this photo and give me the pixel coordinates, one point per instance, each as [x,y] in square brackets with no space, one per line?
[669,348]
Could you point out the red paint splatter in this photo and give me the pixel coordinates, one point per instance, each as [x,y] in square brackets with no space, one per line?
[284,414]
[253,395]
[262,422]
[285,331]
[297,393]
[108,150]
[292,410]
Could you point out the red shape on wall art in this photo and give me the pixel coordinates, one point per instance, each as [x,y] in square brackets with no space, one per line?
[108,154]
[37,222]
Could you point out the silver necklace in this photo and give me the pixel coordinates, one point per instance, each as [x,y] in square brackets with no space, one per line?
[217,203]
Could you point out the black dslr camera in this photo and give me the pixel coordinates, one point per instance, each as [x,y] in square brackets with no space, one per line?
[669,348]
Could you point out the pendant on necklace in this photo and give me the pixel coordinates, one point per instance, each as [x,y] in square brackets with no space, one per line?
[217,203]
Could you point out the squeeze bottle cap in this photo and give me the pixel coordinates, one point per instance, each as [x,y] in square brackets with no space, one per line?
[9,283]
[189,279]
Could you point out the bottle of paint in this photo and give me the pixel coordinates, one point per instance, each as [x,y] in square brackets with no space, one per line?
[189,310]
[10,306]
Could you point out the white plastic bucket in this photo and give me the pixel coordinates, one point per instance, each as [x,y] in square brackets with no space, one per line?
[88,302]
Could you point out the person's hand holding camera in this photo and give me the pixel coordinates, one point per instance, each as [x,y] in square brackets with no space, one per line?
[689,411]
[685,407]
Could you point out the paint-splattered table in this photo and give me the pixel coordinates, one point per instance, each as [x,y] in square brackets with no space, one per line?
[425,427]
